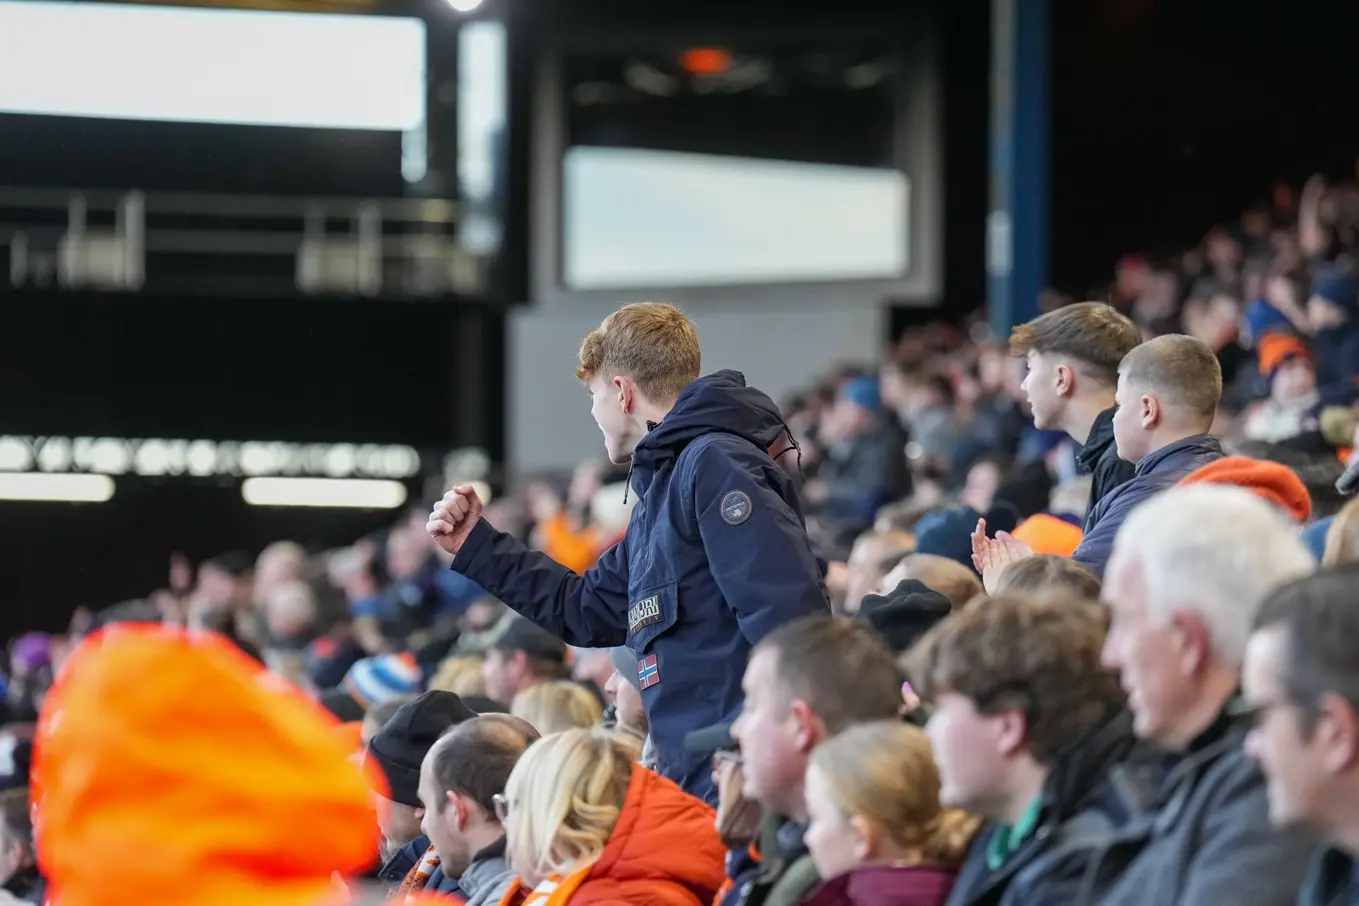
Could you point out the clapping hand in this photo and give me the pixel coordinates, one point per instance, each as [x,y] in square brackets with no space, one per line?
[990,556]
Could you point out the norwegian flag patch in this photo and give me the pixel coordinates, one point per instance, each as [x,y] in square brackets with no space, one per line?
[648,672]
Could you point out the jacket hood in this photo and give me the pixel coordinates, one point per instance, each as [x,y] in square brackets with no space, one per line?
[720,401]
[1048,534]
[1270,481]
[642,862]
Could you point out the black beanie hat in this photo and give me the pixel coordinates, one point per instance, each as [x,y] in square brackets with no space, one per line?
[904,614]
[401,746]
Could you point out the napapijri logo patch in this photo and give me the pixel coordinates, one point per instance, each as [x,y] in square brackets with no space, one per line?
[648,672]
[735,508]
[644,613]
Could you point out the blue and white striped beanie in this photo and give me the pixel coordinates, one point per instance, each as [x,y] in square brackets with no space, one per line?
[375,680]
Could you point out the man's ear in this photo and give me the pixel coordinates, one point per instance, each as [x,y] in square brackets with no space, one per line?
[1336,730]
[625,392]
[1192,640]
[458,806]
[1013,731]
[1064,377]
[810,731]
[1150,411]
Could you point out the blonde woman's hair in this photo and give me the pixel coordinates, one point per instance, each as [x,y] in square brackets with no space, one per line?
[885,773]
[564,797]
[460,675]
[561,705]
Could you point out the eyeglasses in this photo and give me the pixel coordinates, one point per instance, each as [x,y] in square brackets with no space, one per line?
[727,756]
[502,807]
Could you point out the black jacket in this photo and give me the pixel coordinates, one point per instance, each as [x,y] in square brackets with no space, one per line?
[1096,786]
[1098,457]
[865,473]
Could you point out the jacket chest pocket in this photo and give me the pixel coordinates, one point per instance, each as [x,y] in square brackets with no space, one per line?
[653,612]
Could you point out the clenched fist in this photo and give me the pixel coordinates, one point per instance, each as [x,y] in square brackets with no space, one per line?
[453,517]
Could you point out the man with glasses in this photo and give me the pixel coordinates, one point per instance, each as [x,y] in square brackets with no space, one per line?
[1301,688]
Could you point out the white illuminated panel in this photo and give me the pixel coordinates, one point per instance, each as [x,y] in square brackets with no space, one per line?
[483,86]
[212,66]
[204,458]
[356,493]
[37,486]
[639,218]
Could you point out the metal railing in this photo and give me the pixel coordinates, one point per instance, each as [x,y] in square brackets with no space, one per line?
[130,240]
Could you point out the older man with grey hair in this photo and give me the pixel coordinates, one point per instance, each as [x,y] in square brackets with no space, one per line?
[1188,572]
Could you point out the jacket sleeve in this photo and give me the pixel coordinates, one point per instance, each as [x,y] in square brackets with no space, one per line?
[1241,859]
[1095,547]
[588,611]
[1098,542]
[756,543]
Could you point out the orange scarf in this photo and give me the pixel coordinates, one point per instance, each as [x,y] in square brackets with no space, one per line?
[419,876]
[553,891]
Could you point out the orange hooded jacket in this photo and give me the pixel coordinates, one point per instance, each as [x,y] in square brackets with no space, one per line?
[1270,481]
[1048,534]
[664,851]
[171,769]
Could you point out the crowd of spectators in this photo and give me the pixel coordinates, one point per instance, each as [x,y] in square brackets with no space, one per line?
[1089,641]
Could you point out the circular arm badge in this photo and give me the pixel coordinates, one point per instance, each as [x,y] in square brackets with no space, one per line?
[735,507]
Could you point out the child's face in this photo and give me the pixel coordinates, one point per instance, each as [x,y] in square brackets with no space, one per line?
[1294,380]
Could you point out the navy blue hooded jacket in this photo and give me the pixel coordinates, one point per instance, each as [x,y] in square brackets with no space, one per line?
[1156,472]
[716,556]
